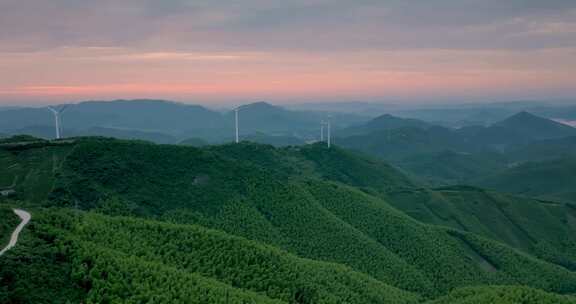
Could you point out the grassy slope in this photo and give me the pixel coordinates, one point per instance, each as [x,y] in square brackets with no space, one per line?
[541,228]
[94,258]
[127,259]
[252,200]
[7,225]
[449,168]
[502,295]
[553,179]
[277,196]
[37,270]
[544,150]
[30,170]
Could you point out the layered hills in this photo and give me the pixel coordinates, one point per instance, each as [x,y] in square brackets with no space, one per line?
[128,221]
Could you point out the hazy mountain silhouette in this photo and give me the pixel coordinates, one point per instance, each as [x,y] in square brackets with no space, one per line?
[383,122]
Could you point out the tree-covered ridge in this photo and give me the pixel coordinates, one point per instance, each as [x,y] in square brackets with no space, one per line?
[30,169]
[128,260]
[315,205]
[7,225]
[541,228]
[93,258]
[551,179]
[239,190]
[502,295]
[38,270]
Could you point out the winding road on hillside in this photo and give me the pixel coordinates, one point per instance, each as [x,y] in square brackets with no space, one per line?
[25,216]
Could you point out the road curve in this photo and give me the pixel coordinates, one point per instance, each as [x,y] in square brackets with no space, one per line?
[25,216]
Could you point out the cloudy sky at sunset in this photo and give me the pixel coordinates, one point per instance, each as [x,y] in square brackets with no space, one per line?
[286,50]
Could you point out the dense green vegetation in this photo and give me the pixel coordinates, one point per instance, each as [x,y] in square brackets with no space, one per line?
[251,223]
[449,167]
[30,169]
[275,140]
[194,142]
[542,228]
[502,295]
[126,259]
[554,179]
[542,150]
[102,259]
[7,225]
[38,270]
[241,263]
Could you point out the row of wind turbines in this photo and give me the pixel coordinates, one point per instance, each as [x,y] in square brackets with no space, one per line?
[324,124]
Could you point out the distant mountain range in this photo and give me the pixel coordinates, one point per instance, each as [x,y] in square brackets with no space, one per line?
[165,121]
[443,155]
[383,122]
[390,136]
[450,114]
[486,114]
[430,152]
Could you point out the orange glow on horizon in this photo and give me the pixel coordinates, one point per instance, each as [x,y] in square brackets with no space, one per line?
[86,73]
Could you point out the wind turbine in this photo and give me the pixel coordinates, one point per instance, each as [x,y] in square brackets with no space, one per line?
[326,124]
[236,124]
[57,119]
[328,132]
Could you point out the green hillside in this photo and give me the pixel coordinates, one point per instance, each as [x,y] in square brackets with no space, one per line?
[543,229]
[29,167]
[554,179]
[128,260]
[502,294]
[400,143]
[7,225]
[449,167]
[275,140]
[194,142]
[256,201]
[296,225]
[544,150]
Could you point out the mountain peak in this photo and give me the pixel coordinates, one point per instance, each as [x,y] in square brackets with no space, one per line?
[525,115]
[523,118]
[384,117]
[535,127]
[388,121]
[260,105]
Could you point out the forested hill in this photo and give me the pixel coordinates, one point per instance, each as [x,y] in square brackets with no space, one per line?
[132,221]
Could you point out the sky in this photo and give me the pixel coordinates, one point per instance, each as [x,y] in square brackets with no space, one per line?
[218,51]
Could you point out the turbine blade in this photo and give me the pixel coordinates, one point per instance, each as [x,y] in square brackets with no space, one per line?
[63,108]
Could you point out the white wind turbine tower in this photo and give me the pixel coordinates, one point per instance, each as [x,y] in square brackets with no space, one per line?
[57,119]
[236,124]
[328,126]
